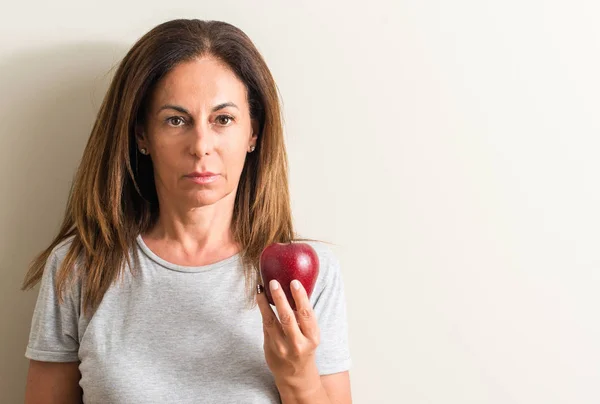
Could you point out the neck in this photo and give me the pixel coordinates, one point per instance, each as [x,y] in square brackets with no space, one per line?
[196,232]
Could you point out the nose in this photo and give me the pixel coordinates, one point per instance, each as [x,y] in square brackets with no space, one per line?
[203,139]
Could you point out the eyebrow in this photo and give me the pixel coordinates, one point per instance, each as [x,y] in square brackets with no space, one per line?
[185,111]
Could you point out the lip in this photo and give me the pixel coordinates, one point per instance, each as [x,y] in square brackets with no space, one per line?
[201,174]
[205,177]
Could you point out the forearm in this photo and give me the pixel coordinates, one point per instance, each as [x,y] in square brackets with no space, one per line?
[305,389]
[318,396]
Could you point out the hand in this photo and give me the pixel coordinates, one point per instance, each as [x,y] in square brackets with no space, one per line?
[290,342]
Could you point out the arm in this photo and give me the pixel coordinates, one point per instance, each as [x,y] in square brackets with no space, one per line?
[53,376]
[290,344]
[53,383]
[337,387]
[291,341]
[328,389]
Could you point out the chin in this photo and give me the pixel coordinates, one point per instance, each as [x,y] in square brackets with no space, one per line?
[208,197]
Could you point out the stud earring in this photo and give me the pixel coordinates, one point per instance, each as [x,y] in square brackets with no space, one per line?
[252,148]
[144,151]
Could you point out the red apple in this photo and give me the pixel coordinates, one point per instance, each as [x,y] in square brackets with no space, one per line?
[285,262]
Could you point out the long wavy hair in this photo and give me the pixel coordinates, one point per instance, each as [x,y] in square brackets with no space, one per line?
[113,195]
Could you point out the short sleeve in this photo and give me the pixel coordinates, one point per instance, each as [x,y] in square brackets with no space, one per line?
[54,327]
[333,353]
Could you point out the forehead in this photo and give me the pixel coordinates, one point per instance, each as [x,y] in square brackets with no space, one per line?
[200,82]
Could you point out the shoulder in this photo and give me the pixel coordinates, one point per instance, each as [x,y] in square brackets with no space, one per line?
[54,263]
[327,256]
[329,267]
[57,256]
[62,248]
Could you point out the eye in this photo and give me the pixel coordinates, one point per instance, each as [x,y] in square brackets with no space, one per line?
[224,120]
[175,121]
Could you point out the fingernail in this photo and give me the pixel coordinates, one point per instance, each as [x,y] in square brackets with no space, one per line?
[274,284]
[296,284]
[259,289]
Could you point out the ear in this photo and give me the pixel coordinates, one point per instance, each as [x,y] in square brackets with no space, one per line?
[140,136]
[255,129]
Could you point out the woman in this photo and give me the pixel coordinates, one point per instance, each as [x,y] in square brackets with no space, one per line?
[148,292]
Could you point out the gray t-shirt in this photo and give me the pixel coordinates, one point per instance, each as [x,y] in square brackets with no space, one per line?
[177,334]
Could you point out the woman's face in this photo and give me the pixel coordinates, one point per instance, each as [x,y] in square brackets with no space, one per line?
[198,122]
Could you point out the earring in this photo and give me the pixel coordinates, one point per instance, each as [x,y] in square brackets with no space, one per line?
[144,151]
[252,148]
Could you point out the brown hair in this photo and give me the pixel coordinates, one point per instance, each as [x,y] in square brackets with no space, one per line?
[113,196]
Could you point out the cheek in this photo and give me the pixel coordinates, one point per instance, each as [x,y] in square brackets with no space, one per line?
[167,159]
[234,150]
[234,160]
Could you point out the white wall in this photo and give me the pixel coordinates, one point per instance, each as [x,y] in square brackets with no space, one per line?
[448,147]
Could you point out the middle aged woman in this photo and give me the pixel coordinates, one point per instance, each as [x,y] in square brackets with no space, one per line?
[147,293]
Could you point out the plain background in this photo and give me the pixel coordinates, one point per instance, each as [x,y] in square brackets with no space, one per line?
[448,148]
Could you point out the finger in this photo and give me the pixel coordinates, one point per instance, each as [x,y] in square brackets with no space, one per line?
[305,315]
[286,314]
[270,323]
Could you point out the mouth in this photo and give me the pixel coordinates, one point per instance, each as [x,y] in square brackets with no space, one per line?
[202,177]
